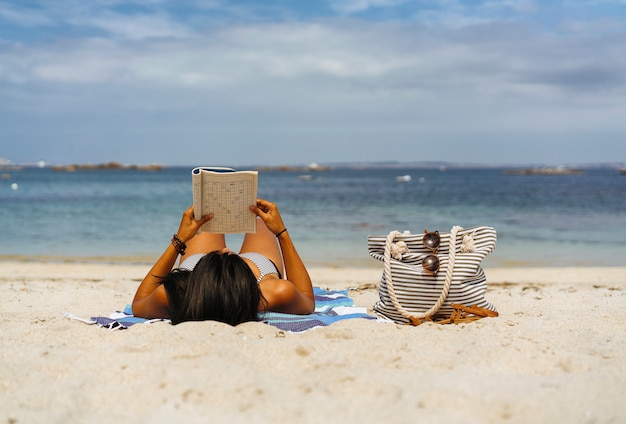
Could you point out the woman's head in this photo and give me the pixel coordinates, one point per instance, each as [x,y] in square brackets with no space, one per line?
[221,288]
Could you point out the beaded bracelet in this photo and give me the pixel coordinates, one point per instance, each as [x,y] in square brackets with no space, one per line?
[281,232]
[178,244]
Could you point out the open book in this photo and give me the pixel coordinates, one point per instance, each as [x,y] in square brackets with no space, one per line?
[227,194]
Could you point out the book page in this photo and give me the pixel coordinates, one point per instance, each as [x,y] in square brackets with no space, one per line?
[227,194]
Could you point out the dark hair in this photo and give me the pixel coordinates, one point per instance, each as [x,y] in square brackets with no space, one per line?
[220,288]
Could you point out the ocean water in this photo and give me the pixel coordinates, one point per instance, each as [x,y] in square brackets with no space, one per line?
[129,215]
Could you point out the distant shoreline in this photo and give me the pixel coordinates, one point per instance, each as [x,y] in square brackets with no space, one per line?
[545,171]
[106,166]
[315,167]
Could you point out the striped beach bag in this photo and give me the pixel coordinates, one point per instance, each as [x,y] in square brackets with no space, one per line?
[433,276]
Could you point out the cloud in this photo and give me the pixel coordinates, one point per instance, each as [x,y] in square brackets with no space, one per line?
[136,27]
[150,76]
[354,6]
[359,57]
[23,17]
[605,25]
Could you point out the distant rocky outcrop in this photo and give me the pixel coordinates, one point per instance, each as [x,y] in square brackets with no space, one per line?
[7,165]
[106,166]
[545,171]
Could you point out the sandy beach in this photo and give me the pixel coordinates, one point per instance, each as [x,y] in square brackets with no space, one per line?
[557,353]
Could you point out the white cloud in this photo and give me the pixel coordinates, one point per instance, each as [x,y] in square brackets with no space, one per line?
[593,26]
[382,55]
[136,27]
[355,6]
[27,18]
[519,6]
[325,82]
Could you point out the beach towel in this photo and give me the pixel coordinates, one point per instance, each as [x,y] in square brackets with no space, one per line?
[330,306]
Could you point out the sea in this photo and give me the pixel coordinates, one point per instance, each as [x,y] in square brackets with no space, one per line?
[129,215]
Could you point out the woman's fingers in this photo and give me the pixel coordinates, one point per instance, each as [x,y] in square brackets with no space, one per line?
[265,205]
[205,219]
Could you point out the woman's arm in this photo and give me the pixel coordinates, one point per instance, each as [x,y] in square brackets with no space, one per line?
[295,269]
[283,298]
[150,300]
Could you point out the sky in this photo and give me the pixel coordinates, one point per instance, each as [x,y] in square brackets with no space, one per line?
[279,82]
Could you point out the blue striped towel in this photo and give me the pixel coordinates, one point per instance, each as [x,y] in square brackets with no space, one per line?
[330,306]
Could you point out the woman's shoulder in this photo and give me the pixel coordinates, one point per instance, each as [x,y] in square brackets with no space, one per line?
[155,305]
[277,291]
[283,296]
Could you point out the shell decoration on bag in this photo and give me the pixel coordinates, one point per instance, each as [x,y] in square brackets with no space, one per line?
[397,249]
[467,244]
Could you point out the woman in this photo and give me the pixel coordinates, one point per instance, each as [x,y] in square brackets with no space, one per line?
[212,283]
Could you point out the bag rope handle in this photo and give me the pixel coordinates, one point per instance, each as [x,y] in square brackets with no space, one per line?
[446,287]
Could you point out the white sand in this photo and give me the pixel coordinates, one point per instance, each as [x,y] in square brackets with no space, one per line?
[557,353]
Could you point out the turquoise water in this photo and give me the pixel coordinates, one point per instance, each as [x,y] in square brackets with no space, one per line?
[131,215]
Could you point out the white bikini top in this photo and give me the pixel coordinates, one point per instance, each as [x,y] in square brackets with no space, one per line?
[264,265]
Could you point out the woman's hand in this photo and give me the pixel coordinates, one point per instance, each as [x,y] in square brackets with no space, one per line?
[189,226]
[269,214]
